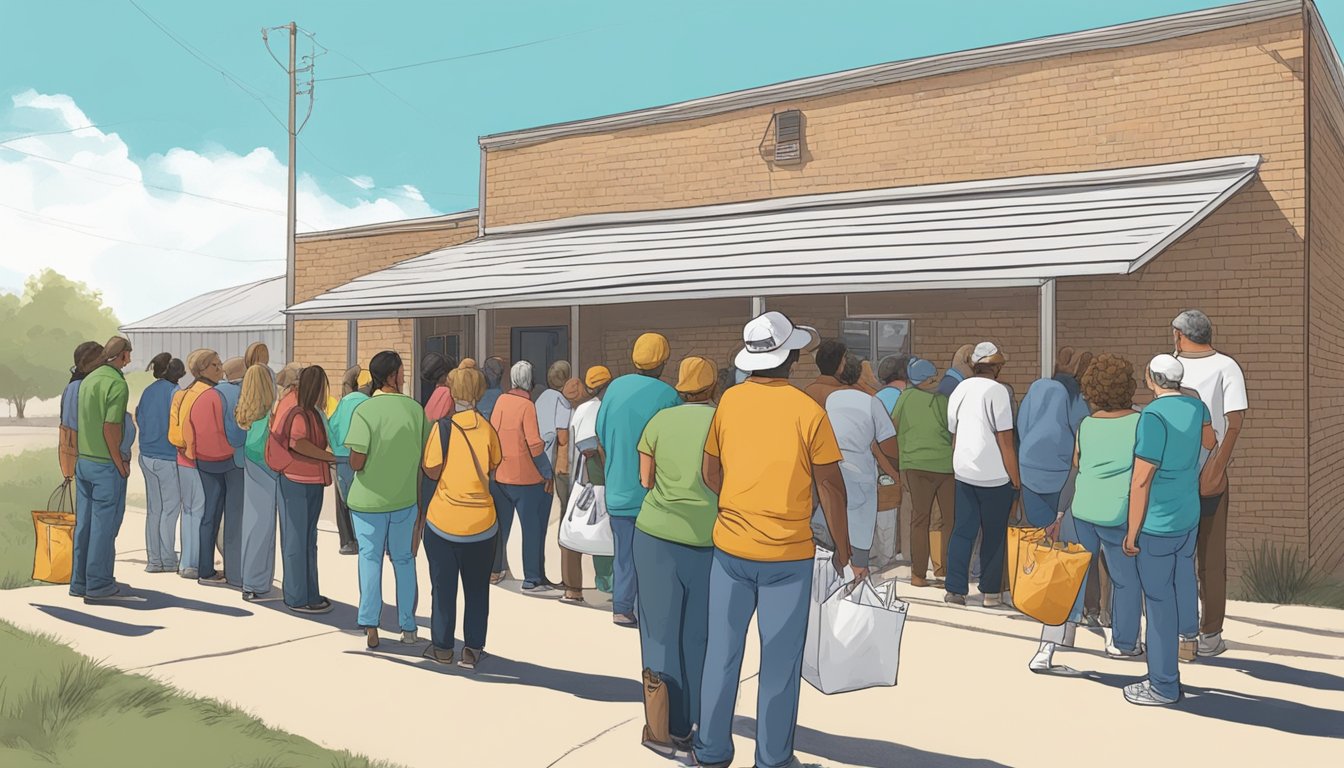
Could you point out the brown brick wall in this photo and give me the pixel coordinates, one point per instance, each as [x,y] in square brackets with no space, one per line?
[1325,322]
[323,264]
[1218,93]
[322,342]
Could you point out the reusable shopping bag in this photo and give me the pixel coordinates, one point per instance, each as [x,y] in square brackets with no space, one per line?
[1045,575]
[853,632]
[54,529]
[586,529]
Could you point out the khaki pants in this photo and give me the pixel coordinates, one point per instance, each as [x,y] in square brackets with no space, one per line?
[1211,566]
[571,562]
[928,540]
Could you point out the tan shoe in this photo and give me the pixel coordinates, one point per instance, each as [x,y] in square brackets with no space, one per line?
[918,581]
[1189,650]
[371,636]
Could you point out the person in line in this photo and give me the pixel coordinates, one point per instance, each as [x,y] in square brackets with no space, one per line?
[1164,519]
[1218,381]
[767,445]
[629,403]
[585,458]
[208,446]
[493,368]
[1048,438]
[727,378]
[674,547]
[261,490]
[958,371]
[158,464]
[188,476]
[925,444]
[100,474]
[1104,458]
[386,440]
[86,359]
[860,421]
[257,353]
[461,452]
[893,374]
[354,391]
[984,463]
[231,535]
[830,355]
[434,370]
[523,482]
[566,483]
[554,412]
[303,461]
[894,503]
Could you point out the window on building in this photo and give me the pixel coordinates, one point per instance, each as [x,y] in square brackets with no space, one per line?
[874,339]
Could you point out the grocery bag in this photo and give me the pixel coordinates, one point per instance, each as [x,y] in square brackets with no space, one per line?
[853,632]
[585,528]
[1046,575]
[54,531]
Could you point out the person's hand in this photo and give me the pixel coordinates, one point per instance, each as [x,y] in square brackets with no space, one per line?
[123,470]
[860,574]
[550,485]
[1132,544]
[838,564]
[1052,530]
[1212,480]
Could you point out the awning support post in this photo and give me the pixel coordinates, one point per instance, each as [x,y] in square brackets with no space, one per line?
[757,306]
[351,343]
[482,336]
[574,341]
[1048,329]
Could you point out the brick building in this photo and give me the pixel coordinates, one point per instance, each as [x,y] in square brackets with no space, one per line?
[1074,190]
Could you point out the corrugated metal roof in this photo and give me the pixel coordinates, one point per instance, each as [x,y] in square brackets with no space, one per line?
[997,231]
[243,307]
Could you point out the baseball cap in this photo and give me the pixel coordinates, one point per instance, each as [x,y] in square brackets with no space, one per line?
[987,352]
[1168,366]
[651,351]
[597,376]
[365,378]
[768,340]
[920,370]
[696,375]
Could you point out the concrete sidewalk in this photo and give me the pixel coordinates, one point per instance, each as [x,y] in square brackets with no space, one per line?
[560,684]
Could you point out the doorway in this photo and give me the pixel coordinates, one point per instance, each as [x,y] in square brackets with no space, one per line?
[541,346]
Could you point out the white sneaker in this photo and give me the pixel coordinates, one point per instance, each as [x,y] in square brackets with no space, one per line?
[1116,653]
[1212,645]
[993,600]
[1044,658]
[1141,694]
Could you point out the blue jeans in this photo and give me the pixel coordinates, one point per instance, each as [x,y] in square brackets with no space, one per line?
[449,561]
[223,507]
[101,504]
[1041,509]
[163,505]
[389,532]
[777,593]
[300,506]
[261,499]
[533,505]
[983,511]
[673,620]
[1187,594]
[625,581]
[1126,595]
[1158,560]
[193,506]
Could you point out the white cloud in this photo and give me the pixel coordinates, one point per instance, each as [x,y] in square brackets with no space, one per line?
[108,223]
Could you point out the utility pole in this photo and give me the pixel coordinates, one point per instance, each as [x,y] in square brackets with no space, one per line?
[290,208]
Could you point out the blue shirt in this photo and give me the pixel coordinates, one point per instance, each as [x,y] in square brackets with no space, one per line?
[1169,434]
[70,406]
[948,384]
[152,415]
[889,395]
[230,392]
[1047,432]
[630,402]
[127,436]
[487,404]
[1078,407]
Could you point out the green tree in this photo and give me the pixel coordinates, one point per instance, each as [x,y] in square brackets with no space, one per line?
[41,331]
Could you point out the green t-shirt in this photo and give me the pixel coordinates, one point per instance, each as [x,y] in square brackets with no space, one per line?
[1169,433]
[103,396]
[680,508]
[1105,467]
[391,430]
[921,431]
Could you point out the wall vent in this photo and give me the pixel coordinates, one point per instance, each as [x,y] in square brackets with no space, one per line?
[789,137]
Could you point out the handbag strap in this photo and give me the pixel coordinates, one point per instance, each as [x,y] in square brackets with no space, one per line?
[63,496]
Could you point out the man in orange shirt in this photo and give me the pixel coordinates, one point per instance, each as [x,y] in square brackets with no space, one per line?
[767,443]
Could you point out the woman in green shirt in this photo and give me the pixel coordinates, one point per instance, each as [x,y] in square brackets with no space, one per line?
[1104,456]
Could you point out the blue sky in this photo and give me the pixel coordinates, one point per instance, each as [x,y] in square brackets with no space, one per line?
[418,126]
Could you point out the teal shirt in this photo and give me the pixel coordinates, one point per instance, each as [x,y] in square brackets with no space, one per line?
[255,446]
[630,402]
[1105,468]
[339,423]
[391,430]
[680,507]
[1169,433]
[103,396]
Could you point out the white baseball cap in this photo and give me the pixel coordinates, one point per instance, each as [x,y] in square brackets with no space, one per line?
[1168,366]
[768,340]
[987,352]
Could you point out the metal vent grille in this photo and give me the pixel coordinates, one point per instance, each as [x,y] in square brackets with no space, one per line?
[789,137]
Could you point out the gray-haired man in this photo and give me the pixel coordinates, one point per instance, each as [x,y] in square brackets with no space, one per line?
[1220,383]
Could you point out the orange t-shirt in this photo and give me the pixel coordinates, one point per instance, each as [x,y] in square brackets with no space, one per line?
[515,419]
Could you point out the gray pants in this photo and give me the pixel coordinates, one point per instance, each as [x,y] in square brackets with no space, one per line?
[163,506]
[260,504]
[193,509]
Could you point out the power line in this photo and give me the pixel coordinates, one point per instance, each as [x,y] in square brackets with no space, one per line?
[371,73]
[67,130]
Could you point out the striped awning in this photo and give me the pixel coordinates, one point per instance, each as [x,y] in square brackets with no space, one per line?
[999,232]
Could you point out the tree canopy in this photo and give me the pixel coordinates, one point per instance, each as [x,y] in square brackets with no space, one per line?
[39,332]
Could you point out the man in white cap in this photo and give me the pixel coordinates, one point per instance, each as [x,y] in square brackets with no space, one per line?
[767,443]
[984,464]
[1164,520]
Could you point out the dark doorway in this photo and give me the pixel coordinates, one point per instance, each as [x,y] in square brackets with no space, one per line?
[540,346]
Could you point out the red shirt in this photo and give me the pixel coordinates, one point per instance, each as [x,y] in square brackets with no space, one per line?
[211,442]
[515,419]
[440,404]
[305,426]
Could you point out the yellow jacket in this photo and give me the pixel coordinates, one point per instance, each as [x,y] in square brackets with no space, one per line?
[179,426]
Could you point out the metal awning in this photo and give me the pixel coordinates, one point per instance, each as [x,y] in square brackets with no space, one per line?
[1018,231]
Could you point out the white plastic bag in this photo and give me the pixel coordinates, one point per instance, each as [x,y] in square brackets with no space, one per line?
[853,632]
[585,527]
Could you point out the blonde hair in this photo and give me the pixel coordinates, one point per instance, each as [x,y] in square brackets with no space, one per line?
[257,397]
[288,378]
[466,382]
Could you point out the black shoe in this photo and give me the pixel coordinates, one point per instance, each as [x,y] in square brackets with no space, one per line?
[349,549]
[954,599]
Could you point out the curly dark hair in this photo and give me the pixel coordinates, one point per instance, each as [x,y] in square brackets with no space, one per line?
[1109,384]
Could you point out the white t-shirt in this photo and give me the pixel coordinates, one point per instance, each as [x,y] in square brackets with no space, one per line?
[977,411]
[553,413]
[859,420]
[1221,385]
[582,429]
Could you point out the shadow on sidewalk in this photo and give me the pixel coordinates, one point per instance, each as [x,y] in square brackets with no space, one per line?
[96,623]
[152,600]
[499,670]
[1244,708]
[868,753]
[1279,673]
[1287,627]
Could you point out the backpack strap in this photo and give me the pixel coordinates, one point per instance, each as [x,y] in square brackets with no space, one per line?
[445,435]
[485,482]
